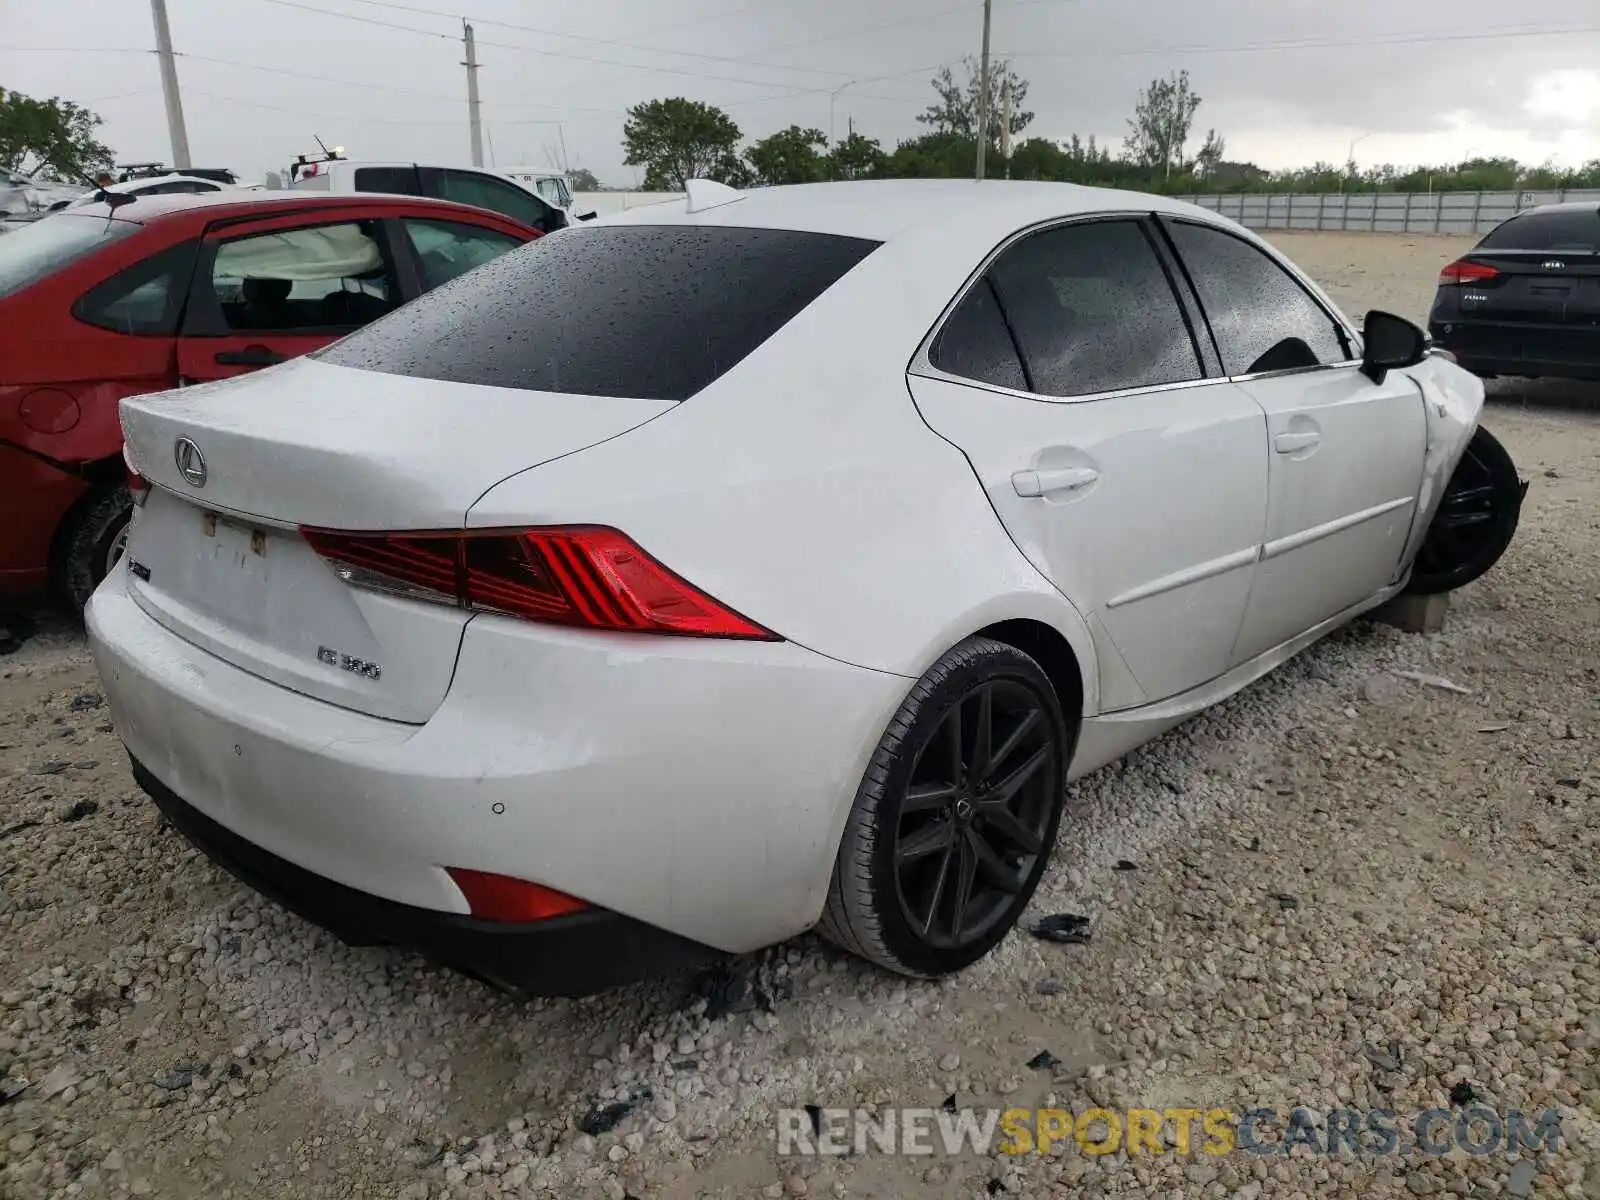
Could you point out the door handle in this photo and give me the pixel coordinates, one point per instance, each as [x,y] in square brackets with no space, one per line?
[1293,443]
[1063,479]
[250,356]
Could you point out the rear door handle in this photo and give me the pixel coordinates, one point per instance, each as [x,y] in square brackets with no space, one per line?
[1293,443]
[250,356]
[1063,479]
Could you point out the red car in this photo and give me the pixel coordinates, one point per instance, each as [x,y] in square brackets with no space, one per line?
[162,291]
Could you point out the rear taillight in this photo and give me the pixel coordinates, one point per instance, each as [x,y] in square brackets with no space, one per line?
[138,486]
[1466,272]
[588,576]
[501,898]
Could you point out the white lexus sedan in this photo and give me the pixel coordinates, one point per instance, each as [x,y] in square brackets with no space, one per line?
[753,563]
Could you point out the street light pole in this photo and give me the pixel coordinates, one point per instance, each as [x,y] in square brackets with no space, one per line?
[983,92]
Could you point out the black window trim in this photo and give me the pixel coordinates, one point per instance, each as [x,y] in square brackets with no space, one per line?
[1350,337]
[202,312]
[922,364]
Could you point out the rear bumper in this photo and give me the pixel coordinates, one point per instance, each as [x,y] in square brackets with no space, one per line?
[695,786]
[1565,352]
[575,955]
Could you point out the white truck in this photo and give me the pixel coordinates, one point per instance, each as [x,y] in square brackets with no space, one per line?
[465,185]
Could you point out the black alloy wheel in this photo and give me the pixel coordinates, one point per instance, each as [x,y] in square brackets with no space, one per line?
[973,820]
[1475,521]
[955,818]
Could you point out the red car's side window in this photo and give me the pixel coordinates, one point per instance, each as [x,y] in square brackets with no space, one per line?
[145,298]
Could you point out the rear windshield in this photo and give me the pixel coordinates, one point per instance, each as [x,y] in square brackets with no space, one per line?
[655,312]
[1573,229]
[35,250]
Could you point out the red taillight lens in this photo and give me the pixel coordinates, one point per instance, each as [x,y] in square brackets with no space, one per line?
[588,576]
[138,486]
[1467,272]
[502,898]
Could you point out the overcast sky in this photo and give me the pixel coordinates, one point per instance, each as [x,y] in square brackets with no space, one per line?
[1285,82]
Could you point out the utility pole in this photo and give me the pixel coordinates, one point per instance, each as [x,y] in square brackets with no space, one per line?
[1005,124]
[169,87]
[472,94]
[983,92]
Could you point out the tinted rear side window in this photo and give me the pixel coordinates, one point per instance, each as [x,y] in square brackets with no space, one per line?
[975,343]
[400,181]
[655,312]
[1576,229]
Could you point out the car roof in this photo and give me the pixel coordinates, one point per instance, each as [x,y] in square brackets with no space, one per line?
[881,209]
[1588,206]
[237,201]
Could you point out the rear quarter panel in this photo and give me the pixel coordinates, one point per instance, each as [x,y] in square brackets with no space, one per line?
[803,490]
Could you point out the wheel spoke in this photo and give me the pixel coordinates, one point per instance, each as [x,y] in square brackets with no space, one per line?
[926,796]
[1472,495]
[930,839]
[952,733]
[937,895]
[1461,520]
[992,866]
[1013,783]
[983,735]
[998,817]
[1013,740]
[966,868]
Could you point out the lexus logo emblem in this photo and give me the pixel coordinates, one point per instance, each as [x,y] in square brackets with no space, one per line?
[191,463]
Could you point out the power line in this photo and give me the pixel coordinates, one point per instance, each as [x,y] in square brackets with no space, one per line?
[574,37]
[1398,39]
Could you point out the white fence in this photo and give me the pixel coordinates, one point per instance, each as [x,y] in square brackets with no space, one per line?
[606,203]
[1385,212]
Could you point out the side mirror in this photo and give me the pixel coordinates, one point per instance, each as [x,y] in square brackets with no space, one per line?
[587,215]
[1390,342]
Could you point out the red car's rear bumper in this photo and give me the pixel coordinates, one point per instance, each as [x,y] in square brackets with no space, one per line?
[35,495]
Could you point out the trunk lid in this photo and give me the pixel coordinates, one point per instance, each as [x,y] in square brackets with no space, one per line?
[223,565]
[1539,287]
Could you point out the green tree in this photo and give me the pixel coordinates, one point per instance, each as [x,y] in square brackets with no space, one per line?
[52,137]
[955,112]
[1211,154]
[677,140]
[1161,122]
[932,156]
[857,157]
[1040,158]
[583,180]
[791,155]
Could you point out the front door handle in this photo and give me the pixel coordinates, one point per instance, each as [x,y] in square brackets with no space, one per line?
[1063,479]
[251,356]
[1293,443]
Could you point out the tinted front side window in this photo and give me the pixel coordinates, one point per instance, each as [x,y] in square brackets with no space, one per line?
[975,343]
[1570,230]
[484,191]
[654,312]
[1263,319]
[446,249]
[1093,311]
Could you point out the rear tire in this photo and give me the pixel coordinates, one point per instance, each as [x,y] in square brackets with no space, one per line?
[1475,521]
[90,543]
[956,816]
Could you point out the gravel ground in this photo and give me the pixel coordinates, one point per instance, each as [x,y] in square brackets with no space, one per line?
[1344,887]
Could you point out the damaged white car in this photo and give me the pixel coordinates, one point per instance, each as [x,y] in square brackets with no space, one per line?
[752,563]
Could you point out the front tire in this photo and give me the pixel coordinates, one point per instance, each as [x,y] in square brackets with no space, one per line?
[956,816]
[1475,521]
[90,544]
